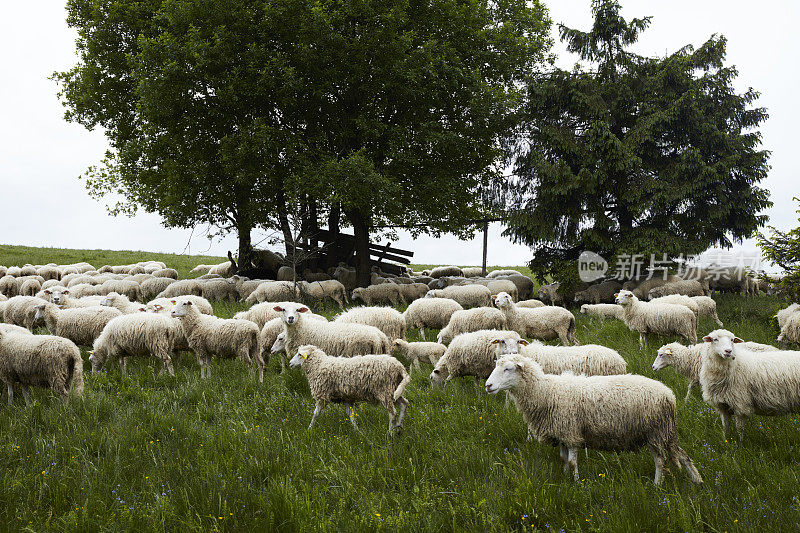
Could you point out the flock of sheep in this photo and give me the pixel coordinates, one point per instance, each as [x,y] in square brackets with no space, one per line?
[574,396]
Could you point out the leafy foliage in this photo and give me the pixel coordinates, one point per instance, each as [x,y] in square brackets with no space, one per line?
[783,249]
[637,155]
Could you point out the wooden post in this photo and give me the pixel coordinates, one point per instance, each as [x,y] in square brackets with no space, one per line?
[485,243]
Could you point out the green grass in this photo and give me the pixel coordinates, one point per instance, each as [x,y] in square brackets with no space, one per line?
[147,452]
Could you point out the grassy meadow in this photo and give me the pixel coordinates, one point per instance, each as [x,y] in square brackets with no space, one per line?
[146,452]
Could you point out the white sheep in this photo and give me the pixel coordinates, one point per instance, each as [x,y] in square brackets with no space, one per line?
[387,319]
[429,352]
[614,413]
[470,320]
[137,335]
[42,361]
[11,328]
[166,304]
[506,272]
[431,313]
[660,318]
[441,271]
[220,289]
[784,314]
[20,310]
[687,360]
[684,287]
[602,310]
[588,359]
[384,293]
[742,383]
[272,338]
[223,269]
[469,354]
[545,323]
[472,272]
[30,287]
[376,379]
[123,304]
[165,273]
[790,332]
[320,290]
[131,289]
[152,287]
[81,325]
[201,269]
[339,339]
[466,295]
[208,335]
[531,304]
[272,291]
[413,291]
[184,287]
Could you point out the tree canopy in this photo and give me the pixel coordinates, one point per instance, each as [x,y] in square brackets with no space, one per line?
[388,111]
[783,249]
[635,155]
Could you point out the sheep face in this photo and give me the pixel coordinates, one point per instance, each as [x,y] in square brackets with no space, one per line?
[624,298]
[181,309]
[279,344]
[665,357]
[722,341]
[399,345]
[39,313]
[108,301]
[508,345]
[290,314]
[302,354]
[584,308]
[439,376]
[506,374]
[58,296]
[503,300]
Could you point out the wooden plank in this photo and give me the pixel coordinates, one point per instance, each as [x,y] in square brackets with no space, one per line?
[324,236]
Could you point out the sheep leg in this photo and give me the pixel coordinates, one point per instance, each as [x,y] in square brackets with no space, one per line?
[351,413]
[564,452]
[643,340]
[403,406]
[477,384]
[529,438]
[659,461]
[10,389]
[572,459]
[725,417]
[317,411]
[689,390]
[717,320]
[392,416]
[415,365]
[123,364]
[207,358]
[26,394]
[283,362]
[168,365]
[422,333]
[740,422]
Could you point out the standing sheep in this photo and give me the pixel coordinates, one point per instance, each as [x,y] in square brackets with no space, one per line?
[219,290]
[208,335]
[664,319]
[377,379]
[429,352]
[442,271]
[600,293]
[741,383]
[471,320]
[790,332]
[20,311]
[40,361]
[384,293]
[545,323]
[784,314]
[603,310]
[30,287]
[466,295]
[685,287]
[469,354]
[184,287]
[137,335]
[614,413]
[589,359]
[431,313]
[320,290]
[152,287]
[81,325]
[388,320]
[272,291]
[271,332]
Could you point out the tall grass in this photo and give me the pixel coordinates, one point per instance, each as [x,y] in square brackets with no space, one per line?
[149,452]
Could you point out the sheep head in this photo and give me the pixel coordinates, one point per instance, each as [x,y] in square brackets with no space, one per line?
[722,342]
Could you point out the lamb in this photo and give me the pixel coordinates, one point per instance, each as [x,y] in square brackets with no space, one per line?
[432,313]
[121,303]
[615,413]
[466,295]
[42,361]
[506,272]
[209,335]
[687,360]
[30,287]
[272,338]
[220,290]
[376,379]
[140,334]
[166,304]
[790,332]
[429,352]
[685,287]
[184,287]
[549,294]
[320,290]
[664,319]
[741,383]
[545,323]
[131,289]
[385,293]
[531,304]
[81,325]
[272,291]
[19,310]
[388,320]
[469,354]
[338,338]
[784,314]
[589,359]
[599,293]
[602,310]
[152,287]
[470,320]
[707,307]
[442,271]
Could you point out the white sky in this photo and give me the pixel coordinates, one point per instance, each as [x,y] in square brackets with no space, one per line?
[42,156]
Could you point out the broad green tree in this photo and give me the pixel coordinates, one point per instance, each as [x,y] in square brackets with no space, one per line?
[783,249]
[635,155]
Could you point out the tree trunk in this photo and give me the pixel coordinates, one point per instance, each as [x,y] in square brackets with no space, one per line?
[245,246]
[283,220]
[333,253]
[361,234]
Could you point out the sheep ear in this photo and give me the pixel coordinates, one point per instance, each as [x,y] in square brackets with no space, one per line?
[495,341]
[616,295]
[737,340]
[303,310]
[173,302]
[278,308]
[48,291]
[707,338]
[65,291]
[524,342]
[519,366]
[188,302]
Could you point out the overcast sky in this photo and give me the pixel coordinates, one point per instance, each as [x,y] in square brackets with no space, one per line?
[42,156]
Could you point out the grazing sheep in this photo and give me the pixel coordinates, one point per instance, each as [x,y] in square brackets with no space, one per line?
[8,286]
[27,270]
[707,307]
[286,273]
[52,283]
[137,335]
[614,413]
[589,359]
[643,289]
[223,269]
[431,313]
[154,286]
[413,291]
[376,379]
[660,318]
[429,352]
[342,339]
[272,338]
[184,287]
[30,287]
[599,293]
[545,323]
[530,304]
[14,271]
[131,289]
[685,287]
[166,304]
[19,310]
[602,310]
[388,320]
[123,304]
[81,325]
[11,328]
[549,294]
[272,291]
[315,276]
[261,313]
[82,290]
[385,293]
[471,320]
[442,271]
[320,290]
[784,314]
[208,335]
[347,276]
[219,290]
[139,278]
[506,272]
[687,360]
[742,383]
[201,269]
[472,272]
[49,272]
[165,273]
[790,332]
[679,299]
[524,285]
[469,354]
[40,361]
[466,295]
